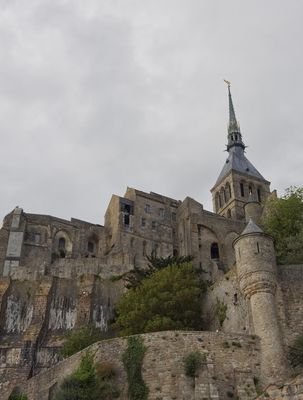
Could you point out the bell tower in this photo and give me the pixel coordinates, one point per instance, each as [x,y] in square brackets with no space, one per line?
[239,180]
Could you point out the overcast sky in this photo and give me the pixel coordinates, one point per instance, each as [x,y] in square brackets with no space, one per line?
[98,95]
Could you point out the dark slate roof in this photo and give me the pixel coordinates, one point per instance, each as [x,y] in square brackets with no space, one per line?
[251,227]
[238,162]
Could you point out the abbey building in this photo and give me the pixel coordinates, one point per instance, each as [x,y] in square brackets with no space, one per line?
[57,275]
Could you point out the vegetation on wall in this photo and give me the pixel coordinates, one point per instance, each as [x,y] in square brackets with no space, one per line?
[17,396]
[221,309]
[192,363]
[79,339]
[296,352]
[283,220]
[89,382]
[135,277]
[169,299]
[132,360]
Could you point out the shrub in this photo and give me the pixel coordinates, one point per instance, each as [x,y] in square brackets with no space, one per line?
[89,382]
[17,396]
[192,363]
[79,339]
[170,299]
[221,309]
[81,385]
[132,360]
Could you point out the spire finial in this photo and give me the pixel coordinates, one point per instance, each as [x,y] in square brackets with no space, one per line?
[234,133]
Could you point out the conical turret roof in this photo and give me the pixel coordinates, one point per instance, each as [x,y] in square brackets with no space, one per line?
[251,227]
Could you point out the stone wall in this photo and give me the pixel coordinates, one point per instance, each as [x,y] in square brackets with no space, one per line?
[231,367]
[290,301]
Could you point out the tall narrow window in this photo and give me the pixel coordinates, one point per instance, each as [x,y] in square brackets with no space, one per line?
[250,189]
[61,244]
[214,251]
[144,248]
[258,248]
[143,222]
[242,189]
[90,247]
[259,195]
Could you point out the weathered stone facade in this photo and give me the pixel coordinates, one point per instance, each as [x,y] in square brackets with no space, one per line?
[58,275]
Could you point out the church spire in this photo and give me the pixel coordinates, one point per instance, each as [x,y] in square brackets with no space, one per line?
[234,134]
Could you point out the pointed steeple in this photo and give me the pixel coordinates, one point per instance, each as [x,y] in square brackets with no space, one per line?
[234,133]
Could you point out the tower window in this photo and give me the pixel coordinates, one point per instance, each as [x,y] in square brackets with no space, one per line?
[258,247]
[143,222]
[214,251]
[126,219]
[250,189]
[242,189]
[259,195]
[228,214]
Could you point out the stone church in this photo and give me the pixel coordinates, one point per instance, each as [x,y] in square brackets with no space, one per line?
[57,275]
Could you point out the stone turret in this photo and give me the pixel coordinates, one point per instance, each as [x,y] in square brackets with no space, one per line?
[256,270]
[253,209]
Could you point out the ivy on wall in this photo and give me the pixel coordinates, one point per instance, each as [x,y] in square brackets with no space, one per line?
[132,360]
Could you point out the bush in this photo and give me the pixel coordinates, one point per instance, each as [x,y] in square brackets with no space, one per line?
[89,382]
[133,359]
[17,396]
[168,300]
[192,363]
[221,309]
[79,339]
[296,352]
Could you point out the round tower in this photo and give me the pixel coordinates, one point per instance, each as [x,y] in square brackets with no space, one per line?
[256,270]
[253,209]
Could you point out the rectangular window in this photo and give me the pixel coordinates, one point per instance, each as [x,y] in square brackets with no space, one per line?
[161,212]
[147,208]
[259,195]
[154,225]
[143,222]
[242,189]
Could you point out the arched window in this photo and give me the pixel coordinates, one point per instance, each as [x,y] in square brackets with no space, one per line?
[228,213]
[218,201]
[214,251]
[222,195]
[250,189]
[61,244]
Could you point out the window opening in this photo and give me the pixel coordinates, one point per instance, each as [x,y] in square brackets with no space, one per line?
[258,248]
[259,195]
[147,208]
[90,247]
[144,248]
[143,222]
[214,251]
[61,244]
[126,219]
[242,189]
[154,225]
[173,216]
[250,189]
[161,212]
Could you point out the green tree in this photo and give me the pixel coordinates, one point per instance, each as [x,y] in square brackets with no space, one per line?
[283,220]
[135,276]
[169,299]
[79,339]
